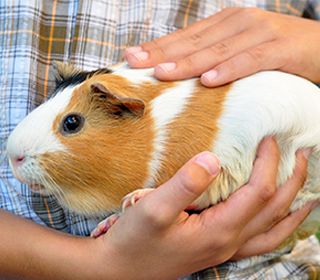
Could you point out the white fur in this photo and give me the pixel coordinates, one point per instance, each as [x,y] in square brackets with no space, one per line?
[25,141]
[164,110]
[135,76]
[269,103]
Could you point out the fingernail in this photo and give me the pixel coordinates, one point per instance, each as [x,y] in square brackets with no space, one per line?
[306,152]
[140,56]
[210,162]
[209,76]
[133,50]
[166,67]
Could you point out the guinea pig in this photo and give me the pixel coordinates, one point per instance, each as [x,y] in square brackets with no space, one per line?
[109,132]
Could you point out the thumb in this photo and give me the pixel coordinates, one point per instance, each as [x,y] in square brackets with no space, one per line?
[164,204]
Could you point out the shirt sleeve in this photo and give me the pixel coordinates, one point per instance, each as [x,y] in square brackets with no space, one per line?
[312,10]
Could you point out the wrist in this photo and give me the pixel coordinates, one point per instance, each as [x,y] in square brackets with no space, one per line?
[70,257]
[42,253]
[60,256]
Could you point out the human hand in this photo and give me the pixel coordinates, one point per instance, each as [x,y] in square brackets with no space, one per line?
[231,44]
[157,239]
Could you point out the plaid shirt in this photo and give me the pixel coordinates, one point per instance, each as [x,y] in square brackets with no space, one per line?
[92,34]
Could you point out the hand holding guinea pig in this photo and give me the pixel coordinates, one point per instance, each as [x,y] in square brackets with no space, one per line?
[174,243]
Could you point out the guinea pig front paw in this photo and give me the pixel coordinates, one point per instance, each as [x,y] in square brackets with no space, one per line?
[104,226]
[129,200]
[132,198]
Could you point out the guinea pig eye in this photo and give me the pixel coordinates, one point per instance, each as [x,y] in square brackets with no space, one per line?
[72,124]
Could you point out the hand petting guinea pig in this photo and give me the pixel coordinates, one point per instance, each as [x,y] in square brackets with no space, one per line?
[118,132]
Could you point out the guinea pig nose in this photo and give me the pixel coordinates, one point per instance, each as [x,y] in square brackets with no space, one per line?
[18,159]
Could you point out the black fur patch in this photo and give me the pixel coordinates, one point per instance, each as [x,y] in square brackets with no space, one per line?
[78,78]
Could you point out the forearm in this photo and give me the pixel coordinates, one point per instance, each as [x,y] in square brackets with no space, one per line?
[30,251]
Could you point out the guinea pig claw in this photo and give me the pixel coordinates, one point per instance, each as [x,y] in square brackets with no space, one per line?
[104,226]
[132,198]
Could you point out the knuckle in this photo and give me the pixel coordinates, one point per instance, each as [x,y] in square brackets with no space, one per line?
[194,39]
[278,216]
[188,61]
[152,217]
[267,192]
[220,49]
[160,52]
[155,49]
[190,65]
[257,55]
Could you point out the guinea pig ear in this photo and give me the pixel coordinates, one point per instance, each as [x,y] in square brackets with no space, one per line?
[118,105]
[64,71]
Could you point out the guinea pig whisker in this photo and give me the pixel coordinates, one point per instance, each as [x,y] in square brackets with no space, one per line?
[54,188]
[51,184]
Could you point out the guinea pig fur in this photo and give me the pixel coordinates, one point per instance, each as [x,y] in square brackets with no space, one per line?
[106,133]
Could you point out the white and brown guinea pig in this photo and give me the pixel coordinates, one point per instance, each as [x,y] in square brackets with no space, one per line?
[109,132]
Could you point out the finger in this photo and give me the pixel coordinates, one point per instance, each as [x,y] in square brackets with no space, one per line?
[244,204]
[267,56]
[190,30]
[156,51]
[162,206]
[270,240]
[197,42]
[217,51]
[278,207]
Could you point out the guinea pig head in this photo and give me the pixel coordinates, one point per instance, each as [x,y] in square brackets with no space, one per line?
[89,145]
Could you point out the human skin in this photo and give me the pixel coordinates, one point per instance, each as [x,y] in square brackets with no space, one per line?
[156,238]
[231,44]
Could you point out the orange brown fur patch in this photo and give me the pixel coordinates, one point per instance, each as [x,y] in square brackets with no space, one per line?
[194,130]
[109,157]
